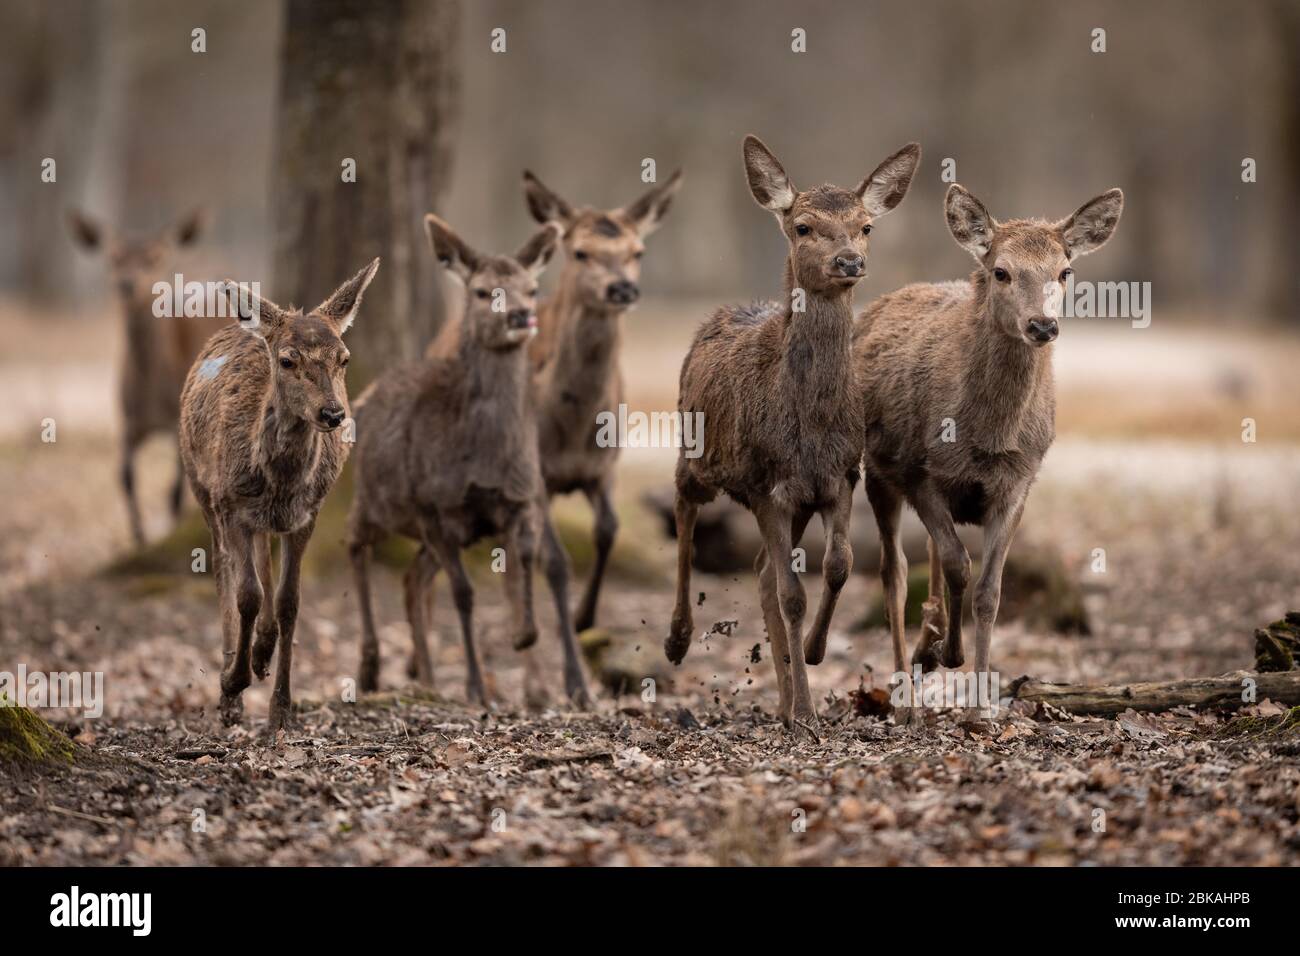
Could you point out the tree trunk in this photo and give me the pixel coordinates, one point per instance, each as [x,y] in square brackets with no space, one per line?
[377,84]
[1106,700]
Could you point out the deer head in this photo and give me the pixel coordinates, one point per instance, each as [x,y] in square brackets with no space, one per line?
[134,262]
[500,291]
[828,226]
[603,248]
[1026,262]
[308,358]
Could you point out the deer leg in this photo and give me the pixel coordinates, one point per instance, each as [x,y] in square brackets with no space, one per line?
[836,565]
[934,615]
[780,648]
[127,475]
[241,579]
[522,541]
[775,524]
[359,551]
[268,628]
[887,505]
[462,592]
[999,530]
[286,611]
[557,576]
[415,584]
[956,565]
[605,531]
[683,624]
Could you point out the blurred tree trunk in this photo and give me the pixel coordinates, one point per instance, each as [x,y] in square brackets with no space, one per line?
[377,83]
[49,61]
[1283,298]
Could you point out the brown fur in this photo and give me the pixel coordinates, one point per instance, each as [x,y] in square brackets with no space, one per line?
[158,350]
[260,444]
[782,419]
[447,454]
[576,355]
[978,353]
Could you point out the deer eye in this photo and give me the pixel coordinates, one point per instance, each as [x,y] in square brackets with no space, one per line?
[1066,273]
[286,362]
[1002,275]
[483,293]
[580,255]
[866,230]
[801,230]
[343,363]
[638,254]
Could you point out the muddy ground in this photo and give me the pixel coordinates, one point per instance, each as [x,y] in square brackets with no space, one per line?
[1199,544]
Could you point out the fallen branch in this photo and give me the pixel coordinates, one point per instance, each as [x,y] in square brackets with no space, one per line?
[1103,700]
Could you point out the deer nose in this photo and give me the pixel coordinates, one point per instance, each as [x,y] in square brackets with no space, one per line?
[331,416]
[1043,330]
[622,292]
[519,318]
[850,265]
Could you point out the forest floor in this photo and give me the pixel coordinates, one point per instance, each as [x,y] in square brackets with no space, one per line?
[1199,542]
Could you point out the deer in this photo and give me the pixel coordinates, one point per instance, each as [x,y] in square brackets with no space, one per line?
[960,409]
[262,446]
[158,350]
[447,454]
[782,416]
[575,360]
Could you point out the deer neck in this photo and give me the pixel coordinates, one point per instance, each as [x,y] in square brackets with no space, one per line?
[496,385]
[288,447]
[144,334]
[816,361]
[586,349]
[1005,377]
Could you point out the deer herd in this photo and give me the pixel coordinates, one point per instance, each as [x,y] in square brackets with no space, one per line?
[939,396]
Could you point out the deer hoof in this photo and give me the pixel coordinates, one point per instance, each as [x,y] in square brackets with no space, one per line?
[585,620]
[814,651]
[231,709]
[525,639]
[678,641]
[368,676]
[263,651]
[927,657]
[953,656]
[281,717]
[579,696]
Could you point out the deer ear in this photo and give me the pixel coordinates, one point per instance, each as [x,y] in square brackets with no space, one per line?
[545,205]
[767,179]
[1092,224]
[342,305]
[969,222]
[647,212]
[450,249]
[85,231]
[189,228]
[252,312]
[885,188]
[534,254]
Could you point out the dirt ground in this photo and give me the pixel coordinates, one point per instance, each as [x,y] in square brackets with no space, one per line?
[1199,541]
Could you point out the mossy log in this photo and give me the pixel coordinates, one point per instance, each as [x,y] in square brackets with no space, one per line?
[1278,645]
[1206,693]
[28,740]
